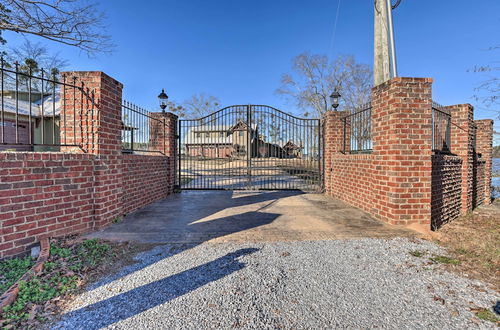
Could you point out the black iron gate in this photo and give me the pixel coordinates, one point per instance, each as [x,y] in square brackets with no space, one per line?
[251,147]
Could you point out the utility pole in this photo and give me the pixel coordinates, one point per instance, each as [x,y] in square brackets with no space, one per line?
[384,65]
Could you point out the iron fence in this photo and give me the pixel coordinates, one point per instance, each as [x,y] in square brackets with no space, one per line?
[36,104]
[358,131]
[441,129]
[143,131]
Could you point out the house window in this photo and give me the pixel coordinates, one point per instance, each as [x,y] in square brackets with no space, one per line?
[241,133]
[207,134]
[198,135]
[221,134]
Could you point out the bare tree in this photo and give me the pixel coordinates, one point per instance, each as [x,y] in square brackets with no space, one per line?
[200,105]
[488,90]
[32,59]
[71,22]
[314,77]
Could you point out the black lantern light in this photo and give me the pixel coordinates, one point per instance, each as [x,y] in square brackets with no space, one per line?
[334,99]
[162,98]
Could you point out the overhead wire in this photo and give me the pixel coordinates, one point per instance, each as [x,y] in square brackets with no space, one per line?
[334,31]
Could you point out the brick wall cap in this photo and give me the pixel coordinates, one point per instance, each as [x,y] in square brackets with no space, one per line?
[100,74]
[484,121]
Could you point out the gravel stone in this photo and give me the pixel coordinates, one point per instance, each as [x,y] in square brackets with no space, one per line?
[366,283]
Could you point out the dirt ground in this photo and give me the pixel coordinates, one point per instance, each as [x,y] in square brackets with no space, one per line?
[474,240]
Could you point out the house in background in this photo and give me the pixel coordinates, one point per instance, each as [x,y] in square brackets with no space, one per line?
[42,113]
[234,141]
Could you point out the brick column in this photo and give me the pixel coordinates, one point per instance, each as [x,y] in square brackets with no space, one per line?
[157,130]
[163,137]
[462,137]
[401,124]
[484,146]
[96,110]
[334,142]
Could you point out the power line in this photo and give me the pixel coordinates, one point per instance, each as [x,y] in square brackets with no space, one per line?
[334,31]
[396,4]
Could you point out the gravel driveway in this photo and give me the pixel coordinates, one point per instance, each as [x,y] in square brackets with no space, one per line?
[367,283]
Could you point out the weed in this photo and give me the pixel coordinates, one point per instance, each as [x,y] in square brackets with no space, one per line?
[417,253]
[34,291]
[487,315]
[11,270]
[93,252]
[68,267]
[60,251]
[48,266]
[444,260]
[117,220]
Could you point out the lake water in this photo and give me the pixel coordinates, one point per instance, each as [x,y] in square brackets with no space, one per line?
[496,177]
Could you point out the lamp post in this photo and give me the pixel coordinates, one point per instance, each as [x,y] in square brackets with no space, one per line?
[162,99]
[334,99]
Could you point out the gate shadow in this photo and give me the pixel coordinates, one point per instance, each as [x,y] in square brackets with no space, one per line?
[178,215]
[181,212]
[125,305]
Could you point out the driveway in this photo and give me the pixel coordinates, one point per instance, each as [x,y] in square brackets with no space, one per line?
[334,284]
[274,260]
[226,216]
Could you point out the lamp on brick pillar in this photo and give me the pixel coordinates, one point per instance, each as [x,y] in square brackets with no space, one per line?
[162,99]
[334,99]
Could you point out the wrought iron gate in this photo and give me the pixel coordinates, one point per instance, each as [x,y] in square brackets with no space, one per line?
[251,147]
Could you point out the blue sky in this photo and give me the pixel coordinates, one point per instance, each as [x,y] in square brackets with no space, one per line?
[237,50]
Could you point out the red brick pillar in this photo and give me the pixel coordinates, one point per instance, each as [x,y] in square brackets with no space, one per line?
[484,146]
[157,130]
[334,143]
[96,110]
[163,138]
[462,137]
[401,130]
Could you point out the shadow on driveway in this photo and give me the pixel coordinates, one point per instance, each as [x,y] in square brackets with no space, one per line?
[142,298]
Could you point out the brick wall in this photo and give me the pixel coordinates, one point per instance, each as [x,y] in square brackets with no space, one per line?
[462,137]
[81,188]
[478,183]
[401,181]
[54,194]
[484,148]
[446,189]
[352,178]
[44,194]
[393,183]
[145,180]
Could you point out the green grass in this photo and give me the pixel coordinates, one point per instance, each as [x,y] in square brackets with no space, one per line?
[444,260]
[11,270]
[417,253]
[487,315]
[57,278]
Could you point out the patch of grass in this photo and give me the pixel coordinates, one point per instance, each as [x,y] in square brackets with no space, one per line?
[445,260]
[417,253]
[487,315]
[11,270]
